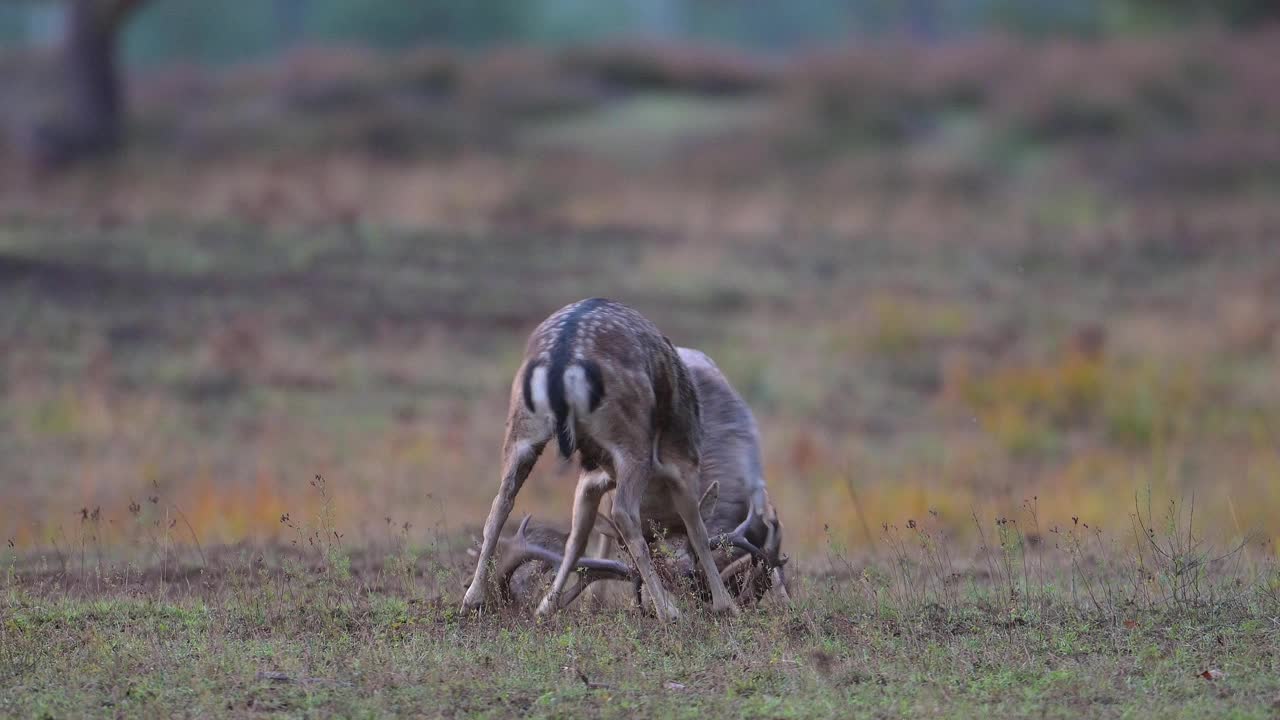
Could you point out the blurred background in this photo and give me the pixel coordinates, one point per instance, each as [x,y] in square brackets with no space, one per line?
[978,258]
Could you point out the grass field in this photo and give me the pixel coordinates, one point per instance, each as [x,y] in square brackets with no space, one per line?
[316,628]
[262,654]
[1008,315]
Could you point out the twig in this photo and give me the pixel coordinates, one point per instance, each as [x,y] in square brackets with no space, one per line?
[183,516]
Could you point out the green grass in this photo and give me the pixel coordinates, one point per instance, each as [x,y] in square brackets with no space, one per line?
[245,641]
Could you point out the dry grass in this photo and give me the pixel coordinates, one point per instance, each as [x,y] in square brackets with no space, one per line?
[1038,620]
[382,362]
[950,278]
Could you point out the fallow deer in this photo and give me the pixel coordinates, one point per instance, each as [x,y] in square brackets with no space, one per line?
[735,507]
[601,379]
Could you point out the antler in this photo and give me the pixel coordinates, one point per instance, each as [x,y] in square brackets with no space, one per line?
[518,550]
[763,571]
[738,537]
[758,564]
[773,539]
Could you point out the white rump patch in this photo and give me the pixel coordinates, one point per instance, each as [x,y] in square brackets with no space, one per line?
[538,391]
[577,390]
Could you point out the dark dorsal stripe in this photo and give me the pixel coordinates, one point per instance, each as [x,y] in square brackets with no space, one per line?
[595,379]
[561,356]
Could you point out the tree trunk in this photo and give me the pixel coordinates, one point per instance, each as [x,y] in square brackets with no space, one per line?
[96,104]
[94,116]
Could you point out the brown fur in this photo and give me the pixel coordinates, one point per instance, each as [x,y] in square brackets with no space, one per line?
[731,485]
[731,462]
[642,438]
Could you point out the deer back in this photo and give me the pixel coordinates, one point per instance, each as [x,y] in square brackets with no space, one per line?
[602,369]
[730,447]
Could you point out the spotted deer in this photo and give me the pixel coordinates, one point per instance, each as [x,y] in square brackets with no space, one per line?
[607,385]
[735,508]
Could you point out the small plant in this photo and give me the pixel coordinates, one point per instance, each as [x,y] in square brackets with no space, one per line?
[402,561]
[1183,572]
[923,572]
[1086,584]
[1007,563]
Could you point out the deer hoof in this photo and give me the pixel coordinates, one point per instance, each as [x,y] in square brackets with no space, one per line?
[472,601]
[667,613]
[727,607]
[548,606]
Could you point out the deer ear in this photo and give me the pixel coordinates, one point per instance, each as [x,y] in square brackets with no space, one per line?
[707,505]
[604,525]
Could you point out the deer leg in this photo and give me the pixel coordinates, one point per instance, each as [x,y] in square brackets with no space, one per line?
[586,500]
[518,461]
[596,593]
[778,584]
[632,476]
[680,476]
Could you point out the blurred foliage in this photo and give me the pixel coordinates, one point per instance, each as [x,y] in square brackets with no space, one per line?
[1095,18]
[244,29]
[958,274]
[189,28]
[393,23]
[228,31]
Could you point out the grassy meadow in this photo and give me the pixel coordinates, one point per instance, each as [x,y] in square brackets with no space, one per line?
[1008,314]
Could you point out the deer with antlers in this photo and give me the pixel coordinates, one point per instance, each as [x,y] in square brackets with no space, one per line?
[734,506]
[605,383]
